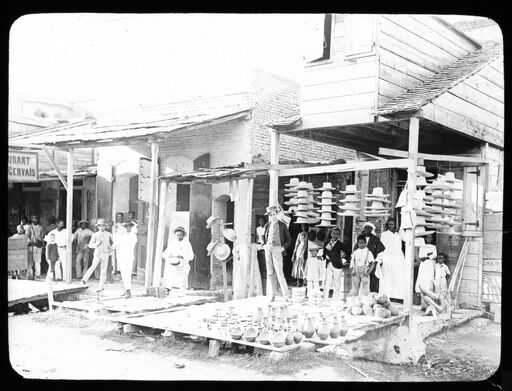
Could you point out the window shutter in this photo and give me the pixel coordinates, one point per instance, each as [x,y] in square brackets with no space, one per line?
[360,34]
[473,199]
[313,39]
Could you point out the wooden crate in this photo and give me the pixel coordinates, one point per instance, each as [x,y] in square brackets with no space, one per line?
[17,253]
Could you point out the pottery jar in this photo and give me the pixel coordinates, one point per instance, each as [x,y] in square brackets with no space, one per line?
[343,326]
[309,330]
[335,328]
[323,331]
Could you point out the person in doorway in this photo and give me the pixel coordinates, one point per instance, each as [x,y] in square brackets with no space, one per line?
[61,238]
[52,224]
[362,263]
[117,230]
[376,248]
[260,231]
[177,256]
[441,270]
[336,255]
[393,281]
[101,241]
[22,226]
[35,238]
[426,270]
[132,219]
[276,240]
[125,251]
[52,255]
[300,254]
[81,238]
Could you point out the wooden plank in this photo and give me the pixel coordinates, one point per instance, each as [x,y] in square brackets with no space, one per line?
[491,287]
[392,27]
[474,247]
[338,118]
[433,157]
[467,298]
[339,72]
[56,168]
[148,277]
[338,89]
[157,275]
[396,77]
[404,66]
[472,260]
[493,238]
[492,251]
[486,87]
[492,75]
[69,219]
[342,104]
[498,65]
[493,222]
[274,174]
[492,265]
[389,89]
[468,286]
[461,123]
[470,272]
[470,94]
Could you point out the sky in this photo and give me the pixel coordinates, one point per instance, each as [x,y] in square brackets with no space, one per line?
[116,61]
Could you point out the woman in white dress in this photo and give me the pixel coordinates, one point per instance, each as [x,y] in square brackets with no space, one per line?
[427,255]
[177,256]
[393,280]
[300,254]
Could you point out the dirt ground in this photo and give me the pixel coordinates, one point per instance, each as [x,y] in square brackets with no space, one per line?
[75,347]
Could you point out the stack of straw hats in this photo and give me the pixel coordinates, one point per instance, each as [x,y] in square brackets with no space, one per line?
[327,200]
[379,203]
[351,204]
[417,217]
[306,211]
[421,175]
[291,194]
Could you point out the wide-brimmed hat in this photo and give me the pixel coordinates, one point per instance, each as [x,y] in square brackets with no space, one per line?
[221,251]
[369,224]
[437,186]
[305,207]
[378,199]
[303,186]
[291,194]
[348,213]
[326,202]
[211,246]
[421,171]
[376,214]
[325,224]
[293,182]
[440,194]
[83,222]
[349,207]
[327,208]
[211,220]
[302,194]
[421,181]
[419,242]
[449,177]
[377,205]
[377,192]
[305,220]
[327,194]
[126,224]
[291,201]
[271,209]
[420,231]
[350,189]
[229,234]
[350,197]
[450,231]
[179,229]
[327,216]
[301,213]
[101,222]
[326,186]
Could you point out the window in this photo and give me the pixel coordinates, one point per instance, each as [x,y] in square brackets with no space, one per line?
[359,35]
[318,38]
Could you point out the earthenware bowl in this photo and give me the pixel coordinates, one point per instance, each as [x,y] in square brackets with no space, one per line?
[250,334]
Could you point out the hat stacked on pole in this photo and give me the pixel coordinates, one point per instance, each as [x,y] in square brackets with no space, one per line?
[380,205]
[327,200]
[351,204]
[445,191]
[421,175]
[291,194]
[306,211]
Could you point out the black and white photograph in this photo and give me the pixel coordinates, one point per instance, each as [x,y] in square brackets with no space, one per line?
[311,197]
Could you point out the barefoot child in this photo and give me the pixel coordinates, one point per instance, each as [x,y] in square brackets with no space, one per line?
[441,271]
[315,270]
[362,264]
[52,255]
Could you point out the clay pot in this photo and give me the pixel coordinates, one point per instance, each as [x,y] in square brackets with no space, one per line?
[343,326]
[323,332]
[335,329]
[289,337]
[250,334]
[264,337]
[259,315]
[298,336]
[309,330]
[236,333]
[278,340]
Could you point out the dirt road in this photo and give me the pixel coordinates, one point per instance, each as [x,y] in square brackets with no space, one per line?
[74,347]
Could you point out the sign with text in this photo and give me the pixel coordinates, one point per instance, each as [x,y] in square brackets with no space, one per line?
[144,179]
[23,166]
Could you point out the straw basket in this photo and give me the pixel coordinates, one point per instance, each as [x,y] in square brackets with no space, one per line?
[298,295]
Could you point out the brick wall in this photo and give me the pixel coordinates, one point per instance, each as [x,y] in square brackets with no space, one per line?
[274,98]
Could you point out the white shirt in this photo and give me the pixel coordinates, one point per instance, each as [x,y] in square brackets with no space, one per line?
[260,232]
[61,237]
[126,245]
[441,271]
[179,247]
[117,230]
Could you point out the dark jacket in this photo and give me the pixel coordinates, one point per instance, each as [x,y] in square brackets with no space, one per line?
[335,254]
[284,235]
[374,245]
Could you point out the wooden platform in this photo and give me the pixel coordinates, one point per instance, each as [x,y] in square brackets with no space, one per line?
[27,291]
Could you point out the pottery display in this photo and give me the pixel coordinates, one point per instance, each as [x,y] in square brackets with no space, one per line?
[323,331]
[309,330]
[289,336]
[278,340]
[343,326]
[334,332]
[264,337]
[250,334]
[236,333]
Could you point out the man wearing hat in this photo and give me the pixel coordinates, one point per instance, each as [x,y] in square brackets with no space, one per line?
[177,256]
[61,238]
[276,240]
[376,247]
[125,245]
[81,238]
[101,241]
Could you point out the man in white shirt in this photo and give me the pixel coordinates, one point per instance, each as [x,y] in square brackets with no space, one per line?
[61,238]
[177,256]
[82,236]
[35,238]
[125,246]
[133,220]
[117,230]
[101,241]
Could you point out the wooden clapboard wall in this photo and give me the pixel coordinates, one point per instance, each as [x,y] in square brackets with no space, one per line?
[492,258]
[412,48]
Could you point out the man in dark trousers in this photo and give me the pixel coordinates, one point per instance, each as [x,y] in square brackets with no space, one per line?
[276,240]
[376,247]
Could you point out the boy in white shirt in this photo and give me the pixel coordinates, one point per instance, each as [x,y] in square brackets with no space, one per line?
[441,270]
[362,264]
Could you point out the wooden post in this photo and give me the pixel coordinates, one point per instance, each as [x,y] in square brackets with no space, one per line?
[414,127]
[157,274]
[273,174]
[224,269]
[148,277]
[69,218]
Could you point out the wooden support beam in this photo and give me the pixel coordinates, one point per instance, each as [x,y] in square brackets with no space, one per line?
[349,166]
[411,189]
[274,174]
[157,275]
[56,168]
[69,219]
[435,157]
[148,277]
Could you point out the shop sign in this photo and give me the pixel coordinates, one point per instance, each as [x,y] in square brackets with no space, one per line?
[144,179]
[23,166]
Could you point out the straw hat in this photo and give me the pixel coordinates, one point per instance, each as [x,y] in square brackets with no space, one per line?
[82,222]
[221,251]
[377,205]
[325,202]
[301,213]
[291,201]
[326,224]
[327,208]
[326,186]
[229,234]
[350,189]
[293,182]
[305,207]
[302,194]
[271,209]
[437,186]
[327,194]
[438,219]
[126,224]
[327,216]
[420,231]
[101,222]
[349,207]
[303,186]
[348,213]
[376,214]
[291,194]
[449,177]
[181,229]
[302,220]
[211,220]
[421,181]
[350,198]
[450,231]
[377,192]
[421,171]
[211,246]
[420,221]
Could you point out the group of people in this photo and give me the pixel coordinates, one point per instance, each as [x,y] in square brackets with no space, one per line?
[374,264]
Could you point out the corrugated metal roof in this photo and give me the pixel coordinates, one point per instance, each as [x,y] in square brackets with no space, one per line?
[443,81]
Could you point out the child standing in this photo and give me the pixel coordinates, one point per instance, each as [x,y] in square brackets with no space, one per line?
[426,258]
[362,264]
[52,255]
[441,271]
[315,269]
